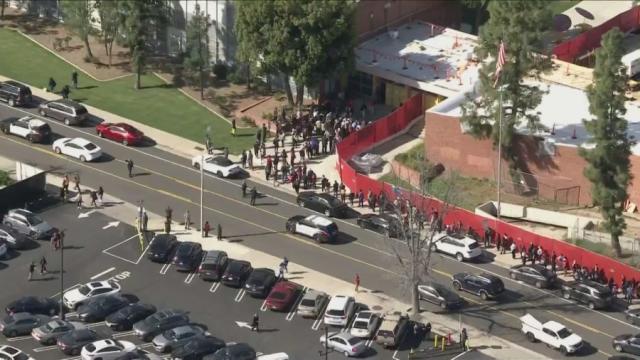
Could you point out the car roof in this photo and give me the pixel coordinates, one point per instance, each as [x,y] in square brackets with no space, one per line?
[213,255]
[284,285]
[339,301]
[23,212]
[15,83]
[319,220]
[31,120]
[22,315]
[313,294]
[365,315]
[554,326]
[80,141]
[68,102]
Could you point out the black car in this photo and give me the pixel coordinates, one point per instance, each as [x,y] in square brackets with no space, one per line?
[633,316]
[238,351]
[213,265]
[137,354]
[99,308]
[197,348]
[385,224]
[439,295]
[34,305]
[590,293]
[161,247]
[72,343]
[13,238]
[188,256]
[484,285]
[260,282]
[323,203]
[14,93]
[124,318]
[21,323]
[236,273]
[163,320]
[627,343]
[537,275]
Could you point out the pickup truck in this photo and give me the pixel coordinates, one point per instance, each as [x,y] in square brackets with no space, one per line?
[27,127]
[552,333]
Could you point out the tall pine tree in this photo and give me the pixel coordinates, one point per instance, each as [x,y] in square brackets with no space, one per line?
[521,25]
[609,168]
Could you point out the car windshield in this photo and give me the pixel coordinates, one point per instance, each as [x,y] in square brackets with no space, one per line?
[334,202]
[603,294]
[21,356]
[32,219]
[220,161]
[90,146]
[564,333]
[236,266]
[331,228]
[360,324]
[278,295]
[353,341]
[81,110]
[84,290]
[308,302]
[43,128]
[50,326]
[209,266]
[473,245]
[335,312]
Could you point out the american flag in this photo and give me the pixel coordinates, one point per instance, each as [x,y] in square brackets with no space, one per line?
[502,58]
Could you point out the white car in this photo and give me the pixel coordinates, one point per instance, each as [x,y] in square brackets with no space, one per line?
[316,227]
[74,298]
[107,349]
[10,353]
[460,246]
[79,148]
[345,343]
[276,356]
[218,165]
[339,310]
[365,324]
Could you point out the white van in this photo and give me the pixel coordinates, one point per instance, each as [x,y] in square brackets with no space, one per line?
[339,310]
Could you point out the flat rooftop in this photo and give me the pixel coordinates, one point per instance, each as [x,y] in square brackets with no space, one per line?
[422,56]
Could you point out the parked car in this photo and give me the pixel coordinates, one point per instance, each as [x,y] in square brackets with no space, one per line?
[316,227]
[72,299]
[632,314]
[367,163]
[218,165]
[536,274]
[365,324]
[237,351]
[460,246]
[439,295]
[282,296]
[79,148]
[392,329]
[484,285]
[176,337]
[107,349]
[312,303]
[27,127]
[162,320]
[385,224]
[28,223]
[21,323]
[33,305]
[198,347]
[72,342]
[48,333]
[15,93]
[188,256]
[236,273]
[213,265]
[551,333]
[590,293]
[339,310]
[344,343]
[124,318]
[11,353]
[323,203]
[65,110]
[260,282]
[97,309]
[13,238]
[627,343]
[139,354]
[162,247]
[4,247]
[120,132]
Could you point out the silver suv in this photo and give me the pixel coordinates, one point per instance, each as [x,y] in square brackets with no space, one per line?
[28,223]
[65,110]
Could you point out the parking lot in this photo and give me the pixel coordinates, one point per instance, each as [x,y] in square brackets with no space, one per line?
[98,247]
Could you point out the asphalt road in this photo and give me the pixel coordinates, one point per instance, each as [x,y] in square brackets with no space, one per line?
[164,179]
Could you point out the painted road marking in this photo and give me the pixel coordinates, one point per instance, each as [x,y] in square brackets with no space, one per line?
[190,277]
[144,252]
[106,251]
[19,338]
[320,319]
[123,334]
[165,268]
[263,307]
[294,307]
[214,287]
[102,273]
[240,295]
[45,348]
[119,277]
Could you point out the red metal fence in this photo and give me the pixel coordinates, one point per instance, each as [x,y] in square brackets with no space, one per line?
[386,127]
[573,48]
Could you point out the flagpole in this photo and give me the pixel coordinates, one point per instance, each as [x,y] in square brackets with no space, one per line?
[499,156]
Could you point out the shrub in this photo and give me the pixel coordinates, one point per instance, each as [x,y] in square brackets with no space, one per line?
[220,71]
[248,121]
[238,75]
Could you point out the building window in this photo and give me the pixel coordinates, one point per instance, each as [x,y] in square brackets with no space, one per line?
[361,84]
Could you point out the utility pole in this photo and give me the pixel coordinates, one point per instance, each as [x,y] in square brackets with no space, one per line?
[499,155]
[326,344]
[61,235]
[201,191]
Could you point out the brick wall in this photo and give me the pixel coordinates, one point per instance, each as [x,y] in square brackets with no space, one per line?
[445,143]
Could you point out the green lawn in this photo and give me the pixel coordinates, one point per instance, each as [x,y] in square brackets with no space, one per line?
[559,6]
[156,105]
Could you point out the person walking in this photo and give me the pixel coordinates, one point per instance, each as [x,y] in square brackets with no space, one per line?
[250,159]
[74,79]
[32,268]
[464,339]
[208,144]
[244,188]
[130,167]
[43,265]
[51,86]
[219,231]
[100,195]
[254,195]
[243,159]
[255,323]
[79,200]
[187,220]
[285,264]
[512,248]
[94,198]
[65,92]
[206,228]
[145,221]
[281,272]
[233,127]
[357,282]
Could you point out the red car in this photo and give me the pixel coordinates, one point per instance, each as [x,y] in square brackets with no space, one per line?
[121,132]
[282,296]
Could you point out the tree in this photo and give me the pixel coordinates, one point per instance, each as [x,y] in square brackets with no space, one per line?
[521,25]
[480,7]
[78,17]
[197,55]
[2,5]
[109,13]
[609,167]
[138,27]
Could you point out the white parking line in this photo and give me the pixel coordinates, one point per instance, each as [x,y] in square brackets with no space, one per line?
[73,358]
[123,334]
[190,277]
[19,338]
[165,268]
[45,348]
[240,295]
[71,314]
[369,342]
[144,252]
[102,273]
[94,325]
[65,290]
[395,354]
[214,287]
[263,307]
[106,251]
[294,307]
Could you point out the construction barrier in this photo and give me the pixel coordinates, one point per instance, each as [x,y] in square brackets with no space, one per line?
[395,122]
